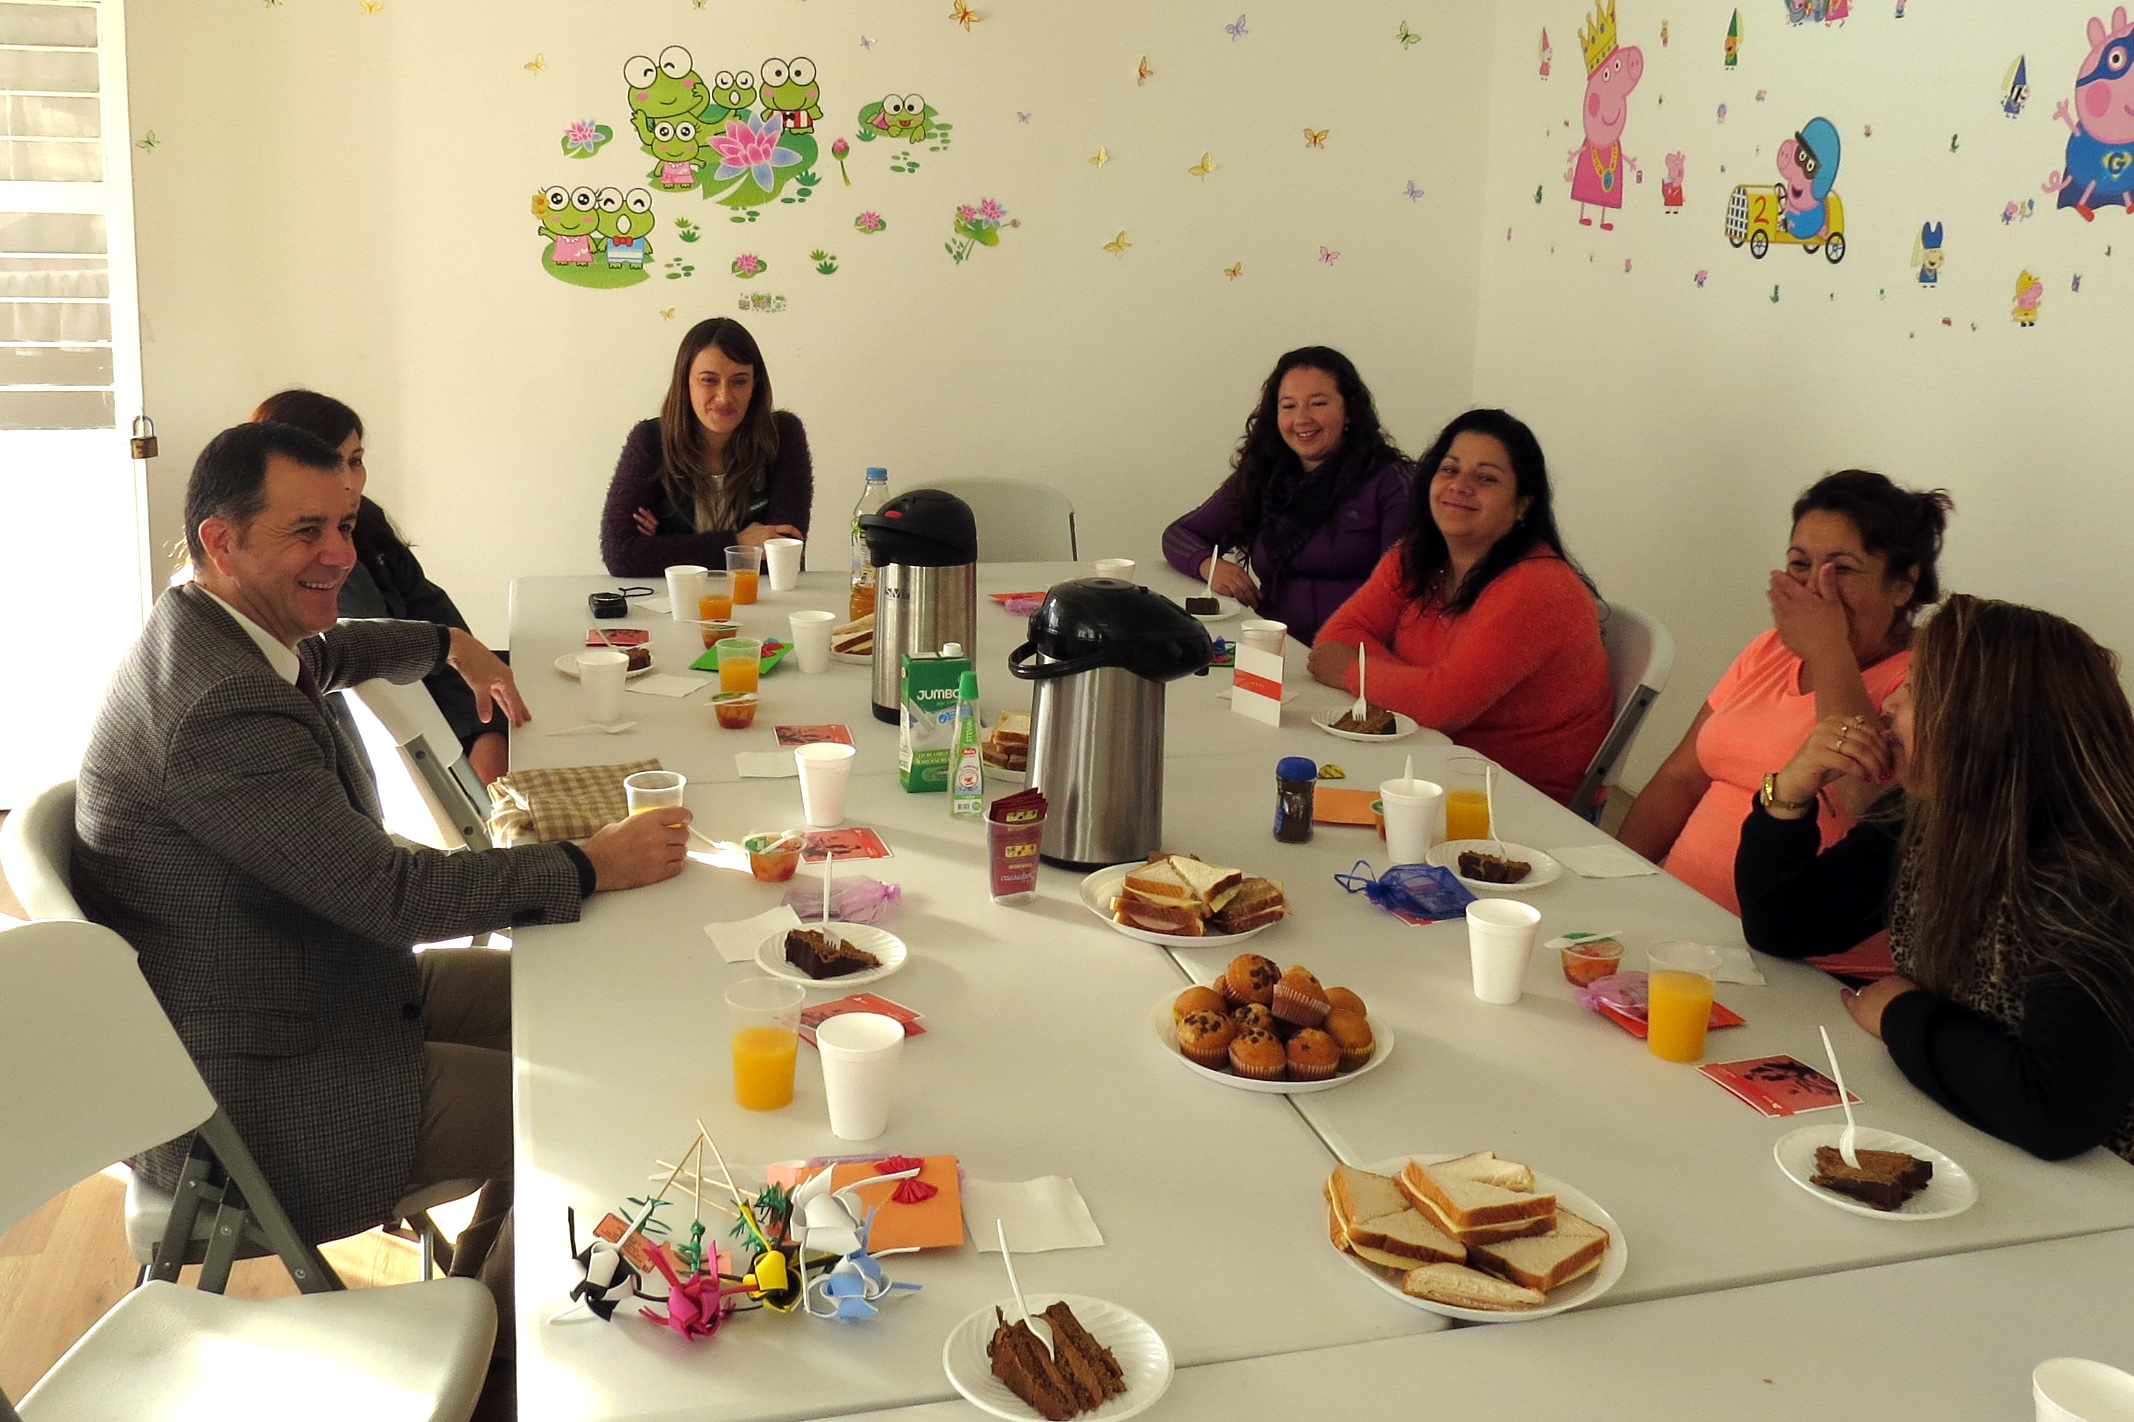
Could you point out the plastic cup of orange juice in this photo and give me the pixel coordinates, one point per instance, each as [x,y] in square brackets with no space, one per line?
[716,602]
[764,1014]
[1678,999]
[1467,797]
[740,663]
[744,566]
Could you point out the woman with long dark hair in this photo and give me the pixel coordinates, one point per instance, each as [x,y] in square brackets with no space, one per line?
[1478,624]
[720,467]
[1316,493]
[388,580]
[2004,873]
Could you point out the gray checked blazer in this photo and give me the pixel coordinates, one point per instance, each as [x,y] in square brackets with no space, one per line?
[230,834]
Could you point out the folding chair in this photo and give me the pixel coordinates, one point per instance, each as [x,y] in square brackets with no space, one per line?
[1018,521]
[1641,654]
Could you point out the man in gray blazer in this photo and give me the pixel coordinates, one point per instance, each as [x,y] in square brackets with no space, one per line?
[228,830]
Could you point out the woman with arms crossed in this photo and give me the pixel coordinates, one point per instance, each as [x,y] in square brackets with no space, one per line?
[717,469]
[1860,563]
[2005,875]
[1477,623]
[1316,493]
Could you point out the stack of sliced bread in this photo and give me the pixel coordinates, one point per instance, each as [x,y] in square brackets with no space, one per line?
[1007,745]
[1471,1232]
[1182,896]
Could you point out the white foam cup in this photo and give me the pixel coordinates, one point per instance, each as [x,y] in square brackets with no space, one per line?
[601,672]
[825,772]
[1415,818]
[1262,633]
[1115,568]
[811,639]
[859,1058]
[1500,944]
[781,559]
[2081,1390]
[685,584]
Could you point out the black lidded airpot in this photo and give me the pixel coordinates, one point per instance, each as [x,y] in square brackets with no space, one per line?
[925,545]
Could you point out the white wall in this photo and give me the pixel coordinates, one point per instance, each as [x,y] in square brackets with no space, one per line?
[1682,421]
[341,199]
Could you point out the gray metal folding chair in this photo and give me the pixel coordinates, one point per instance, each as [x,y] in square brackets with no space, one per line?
[450,790]
[1641,655]
[95,1073]
[1018,521]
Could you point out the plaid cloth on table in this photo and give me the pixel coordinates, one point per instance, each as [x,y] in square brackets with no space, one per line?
[559,802]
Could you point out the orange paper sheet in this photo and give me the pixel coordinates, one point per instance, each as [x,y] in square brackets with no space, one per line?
[1333,805]
[931,1224]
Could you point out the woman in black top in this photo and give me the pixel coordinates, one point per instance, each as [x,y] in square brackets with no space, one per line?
[388,580]
[2005,875]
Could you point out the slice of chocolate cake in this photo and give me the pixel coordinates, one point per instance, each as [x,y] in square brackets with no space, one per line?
[1884,1180]
[1096,1374]
[1375,721]
[820,956]
[1029,1370]
[1204,606]
[1489,869]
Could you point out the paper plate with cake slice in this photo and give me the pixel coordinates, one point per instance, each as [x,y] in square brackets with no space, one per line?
[1540,868]
[1487,1196]
[1949,1188]
[1164,1024]
[830,967]
[1403,727]
[1144,1361]
[568,665]
[1225,607]
[1161,923]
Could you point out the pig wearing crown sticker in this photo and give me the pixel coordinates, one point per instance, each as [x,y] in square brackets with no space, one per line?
[1597,165]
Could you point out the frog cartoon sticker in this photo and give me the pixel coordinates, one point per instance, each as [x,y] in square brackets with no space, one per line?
[790,91]
[733,92]
[626,227]
[569,218]
[677,151]
[669,89]
[904,116]
[2100,122]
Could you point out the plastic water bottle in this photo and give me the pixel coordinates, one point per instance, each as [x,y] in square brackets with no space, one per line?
[872,497]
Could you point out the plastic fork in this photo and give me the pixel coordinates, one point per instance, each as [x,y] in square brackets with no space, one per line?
[1045,1337]
[1363,706]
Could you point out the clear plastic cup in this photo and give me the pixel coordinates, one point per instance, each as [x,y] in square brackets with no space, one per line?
[1678,999]
[740,663]
[744,566]
[652,789]
[763,1015]
[1467,797]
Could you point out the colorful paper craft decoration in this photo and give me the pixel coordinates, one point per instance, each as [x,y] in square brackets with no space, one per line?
[935,1223]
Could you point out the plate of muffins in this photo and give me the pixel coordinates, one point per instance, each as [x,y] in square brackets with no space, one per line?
[1273,1030]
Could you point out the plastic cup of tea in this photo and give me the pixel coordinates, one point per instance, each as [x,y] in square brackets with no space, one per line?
[825,773]
[1678,999]
[1500,944]
[781,561]
[685,584]
[763,1015]
[601,673]
[811,640]
[653,789]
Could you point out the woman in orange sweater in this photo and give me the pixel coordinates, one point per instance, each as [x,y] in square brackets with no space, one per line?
[1476,622]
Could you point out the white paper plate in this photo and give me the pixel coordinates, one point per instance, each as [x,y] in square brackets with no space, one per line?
[1143,1358]
[1950,1192]
[856,659]
[1545,870]
[568,665]
[1100,888]
[1225,607]
[1403,727]
[1166,1028]
[770,955]
[1582,1290]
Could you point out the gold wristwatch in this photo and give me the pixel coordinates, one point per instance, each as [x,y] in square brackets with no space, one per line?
[1772,802]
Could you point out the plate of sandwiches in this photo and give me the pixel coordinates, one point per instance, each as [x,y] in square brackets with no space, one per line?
[1474,1236]
[640,662]
[1495,866]
[1376,724]
[839,954]
[1897,1178]
[1004,748]
[1210,608]
[1175,897]
[853,641]
[1105,1361]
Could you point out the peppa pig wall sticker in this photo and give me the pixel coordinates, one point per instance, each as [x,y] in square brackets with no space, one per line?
[1597,166]
[2100,121]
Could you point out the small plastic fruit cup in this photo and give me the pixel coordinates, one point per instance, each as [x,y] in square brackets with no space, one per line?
[716,632]
[736,710]
[1587,960]
[772,858]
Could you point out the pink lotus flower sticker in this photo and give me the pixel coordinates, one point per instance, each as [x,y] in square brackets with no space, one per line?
[838,149]
[747,265]
[752,148]
[869,222]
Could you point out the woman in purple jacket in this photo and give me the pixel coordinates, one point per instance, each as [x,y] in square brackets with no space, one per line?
[1316,495]
[717,469]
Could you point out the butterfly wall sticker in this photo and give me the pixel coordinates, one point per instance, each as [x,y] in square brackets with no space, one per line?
[964,15]
[1316,137]
[1407,37]
[1117,246]
[1205,166]
[535,65]
[1329,256]
[1234,272]
[1142,72]
[1237,30]
[1099,158]
[1411,192]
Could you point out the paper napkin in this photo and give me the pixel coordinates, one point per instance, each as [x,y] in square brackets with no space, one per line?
[1736,965]
[1604,861]
[765,765]
[738,941]
[1041,1214]
[659,605]
[662,684]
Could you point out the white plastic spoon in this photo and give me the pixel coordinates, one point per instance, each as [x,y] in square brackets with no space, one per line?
[1846,1152]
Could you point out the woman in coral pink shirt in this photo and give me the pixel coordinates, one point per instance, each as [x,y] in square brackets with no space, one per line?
[1860,563]
[1476,623]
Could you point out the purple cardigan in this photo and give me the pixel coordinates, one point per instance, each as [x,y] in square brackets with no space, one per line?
[1332,564]
[786,495]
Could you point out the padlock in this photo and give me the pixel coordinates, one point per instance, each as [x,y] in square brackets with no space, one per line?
[143,442]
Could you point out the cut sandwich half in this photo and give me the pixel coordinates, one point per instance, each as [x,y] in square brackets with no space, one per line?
[1547,1261]
[1488,1168]
[1486,1234]
[1212,884]
[1179,920]
[1358,1195]
[1253,903]
[1410,1238]
[1160,882]
[1464,1204]
[1462,1287]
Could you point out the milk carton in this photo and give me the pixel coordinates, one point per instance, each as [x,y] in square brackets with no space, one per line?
[926,723]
